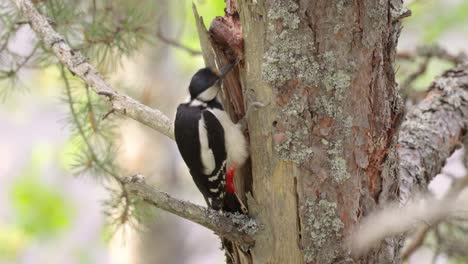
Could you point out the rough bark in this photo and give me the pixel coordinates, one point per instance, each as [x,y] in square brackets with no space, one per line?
[325,70]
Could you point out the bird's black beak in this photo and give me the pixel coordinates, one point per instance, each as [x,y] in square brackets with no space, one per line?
[227,68]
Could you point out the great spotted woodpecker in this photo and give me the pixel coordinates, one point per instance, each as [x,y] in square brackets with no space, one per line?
[211,145]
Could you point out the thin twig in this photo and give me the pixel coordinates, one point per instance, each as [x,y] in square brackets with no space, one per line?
[433,52]
[90,148]
[176,44]
[4,45]
[405,86]
[93,11]
[106,115]
[427,53]
[27,58]
[437,241]
[15,27]
[418,239]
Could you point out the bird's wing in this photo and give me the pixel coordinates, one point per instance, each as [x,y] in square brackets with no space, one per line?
[186,136]
[216,180]
[216,141]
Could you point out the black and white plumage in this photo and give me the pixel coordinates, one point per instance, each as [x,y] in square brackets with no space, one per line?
[209,142]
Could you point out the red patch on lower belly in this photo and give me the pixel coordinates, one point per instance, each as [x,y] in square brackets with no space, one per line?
[230,180]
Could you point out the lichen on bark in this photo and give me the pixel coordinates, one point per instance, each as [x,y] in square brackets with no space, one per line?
[335,79]
[285,58]
[322,230]
[289,62]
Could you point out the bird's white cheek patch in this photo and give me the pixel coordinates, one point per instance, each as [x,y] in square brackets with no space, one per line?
[209,94]
[207,156]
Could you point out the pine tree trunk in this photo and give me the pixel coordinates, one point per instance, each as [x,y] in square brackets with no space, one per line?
[318,148]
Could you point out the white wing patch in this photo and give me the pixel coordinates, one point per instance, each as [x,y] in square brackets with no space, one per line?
[207,156]
[216,176]
[236,146]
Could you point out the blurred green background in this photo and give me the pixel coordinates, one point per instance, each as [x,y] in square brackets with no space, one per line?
[49,216]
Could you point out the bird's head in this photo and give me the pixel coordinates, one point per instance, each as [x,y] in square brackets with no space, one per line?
[204,85]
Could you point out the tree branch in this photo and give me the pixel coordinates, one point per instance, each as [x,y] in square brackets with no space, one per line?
[425,211]
[450,198]
[176,44]
[406,84]
[79,66]
[433,52]
[427,53]
[431,131]
[235,227]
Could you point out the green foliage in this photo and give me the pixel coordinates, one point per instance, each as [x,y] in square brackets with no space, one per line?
[10,62]
[435,17]
[109,38]
[453,17]
[84,256]
[105,31]
[182,18]
[12,240]
[435,68]
[458,260]
[431,19]
[92,136]
[40,210]
[125,211]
